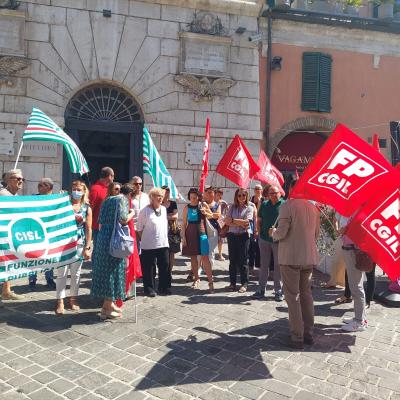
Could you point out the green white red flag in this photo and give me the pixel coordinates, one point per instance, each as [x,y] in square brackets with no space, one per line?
[155,167]
[43,128]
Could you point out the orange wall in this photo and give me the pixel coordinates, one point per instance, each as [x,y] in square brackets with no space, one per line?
[361,95]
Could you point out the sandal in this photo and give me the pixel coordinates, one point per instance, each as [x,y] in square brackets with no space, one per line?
[211,288]
[195,283]
[73,304]
[109,315]
[343,299]
[60,307]
[324,285]
[231,288]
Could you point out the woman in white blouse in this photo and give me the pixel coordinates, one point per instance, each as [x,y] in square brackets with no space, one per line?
[152,229]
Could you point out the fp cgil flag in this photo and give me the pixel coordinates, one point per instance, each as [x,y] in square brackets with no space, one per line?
[237,164]
[268,173]
[375,228]
[345,173]
[206,150]
[37,233]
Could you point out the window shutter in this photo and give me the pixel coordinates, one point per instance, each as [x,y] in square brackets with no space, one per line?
[325,72]
[316,91]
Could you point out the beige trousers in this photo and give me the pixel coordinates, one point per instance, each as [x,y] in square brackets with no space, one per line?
[338,266]
[296,281]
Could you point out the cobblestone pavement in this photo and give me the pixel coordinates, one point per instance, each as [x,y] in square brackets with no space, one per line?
[193,345]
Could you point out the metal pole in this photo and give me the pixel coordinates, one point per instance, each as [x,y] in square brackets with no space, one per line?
[18,155]
[135,303]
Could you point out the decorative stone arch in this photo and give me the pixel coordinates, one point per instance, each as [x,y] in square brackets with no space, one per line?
[313,122]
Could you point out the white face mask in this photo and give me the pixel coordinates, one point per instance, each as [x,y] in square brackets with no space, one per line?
[76,195]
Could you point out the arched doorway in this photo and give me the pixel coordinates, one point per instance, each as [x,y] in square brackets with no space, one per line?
[106,123]
[296,150]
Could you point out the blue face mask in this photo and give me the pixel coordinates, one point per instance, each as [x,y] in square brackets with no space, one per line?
[76,195]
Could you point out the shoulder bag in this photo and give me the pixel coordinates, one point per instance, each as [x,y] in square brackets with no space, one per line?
[121,243]
[363,261]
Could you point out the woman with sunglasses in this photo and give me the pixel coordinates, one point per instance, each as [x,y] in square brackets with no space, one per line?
[194,237]
[238,219]
[114,189]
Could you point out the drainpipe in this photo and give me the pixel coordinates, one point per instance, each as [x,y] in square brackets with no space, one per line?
[268,84]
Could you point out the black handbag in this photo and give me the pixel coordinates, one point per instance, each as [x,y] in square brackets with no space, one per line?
[174,237]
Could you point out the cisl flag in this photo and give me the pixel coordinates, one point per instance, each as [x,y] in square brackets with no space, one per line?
[268,173]
[375,228]
[237,164]
[345,173]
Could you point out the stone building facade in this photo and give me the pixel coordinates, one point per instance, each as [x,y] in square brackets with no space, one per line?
[103,68]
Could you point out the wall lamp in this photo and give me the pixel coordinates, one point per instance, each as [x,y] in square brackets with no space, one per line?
[107,13]
[276,63]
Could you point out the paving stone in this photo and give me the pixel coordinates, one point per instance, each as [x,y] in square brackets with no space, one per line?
[4,387]
[218,394]
[76,393]
[246,390]
[60,385]
[70,369]
[45,394]
[112,390]
[324,388]
[303,395]
[93,380]
[45,377]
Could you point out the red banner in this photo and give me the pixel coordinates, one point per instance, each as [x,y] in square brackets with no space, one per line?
[375,228]
[206,150]
[268,173]
[345,173]
[237,164]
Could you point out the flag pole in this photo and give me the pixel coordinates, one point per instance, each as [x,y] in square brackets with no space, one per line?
[19,153]
[135,302]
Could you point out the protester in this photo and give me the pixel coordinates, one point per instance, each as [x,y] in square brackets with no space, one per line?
[13,182]
[297,232]
[194,237]
[114,189]
[45,187]
[213,217]
[238,219]
[369,289]
[224,208]
[268,218]
[152,229]
[98,193]
[108,280]
[174,234]
[254,250]
[83,218]
[356,283]
[140,199]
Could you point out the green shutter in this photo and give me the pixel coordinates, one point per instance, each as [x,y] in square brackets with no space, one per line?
[325,72]
[316,91]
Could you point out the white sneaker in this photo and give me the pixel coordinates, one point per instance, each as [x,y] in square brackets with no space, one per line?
[347,320]
[354,326]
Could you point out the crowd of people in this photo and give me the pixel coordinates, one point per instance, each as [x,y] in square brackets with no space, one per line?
[276,236]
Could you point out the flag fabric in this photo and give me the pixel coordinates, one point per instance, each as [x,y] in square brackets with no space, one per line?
[268,173]
[345,173]
[375,142]
[206,150]
[375,228]
[154,166]
[237,164]
[37,234]
[42,128]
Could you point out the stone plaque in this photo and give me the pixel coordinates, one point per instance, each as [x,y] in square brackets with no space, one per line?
[7,141]
[194,153]
[205,54]
[12,33]
[40,149]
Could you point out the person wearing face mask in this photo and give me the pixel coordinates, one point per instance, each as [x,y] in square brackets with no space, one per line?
[83,217]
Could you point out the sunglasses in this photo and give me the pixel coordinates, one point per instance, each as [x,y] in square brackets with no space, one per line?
[138,183]
[242,195]
[18,179]
[272,193]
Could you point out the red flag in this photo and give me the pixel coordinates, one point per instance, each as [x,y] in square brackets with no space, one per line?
[375,228]
[345,173]
[375,142]
[268,173]
[237,164]
[204,172]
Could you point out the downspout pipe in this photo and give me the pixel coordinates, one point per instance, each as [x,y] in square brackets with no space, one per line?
[268,83]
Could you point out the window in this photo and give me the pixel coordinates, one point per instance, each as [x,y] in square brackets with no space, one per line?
[316,93]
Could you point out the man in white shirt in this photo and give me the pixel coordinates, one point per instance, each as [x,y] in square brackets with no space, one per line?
[140,199]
